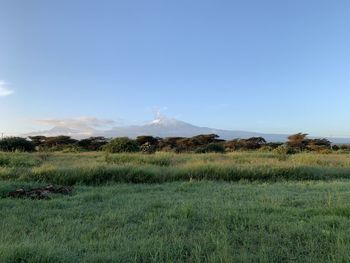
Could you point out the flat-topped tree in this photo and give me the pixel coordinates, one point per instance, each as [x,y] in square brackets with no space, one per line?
[298,141]
[92,143]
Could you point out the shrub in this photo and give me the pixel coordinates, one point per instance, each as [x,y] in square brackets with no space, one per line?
[211,147]
[252,143]
[298,141]
[147,148]
[284,149]
[266,148]
[335,147]
[11,144]
[147,139]
[92,143]
[319,145]
[120,145]
[71,149]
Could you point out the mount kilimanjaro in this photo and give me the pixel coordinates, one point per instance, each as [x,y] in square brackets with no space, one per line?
[165,127]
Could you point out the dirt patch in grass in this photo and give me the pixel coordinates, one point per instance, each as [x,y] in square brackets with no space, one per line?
[41,192]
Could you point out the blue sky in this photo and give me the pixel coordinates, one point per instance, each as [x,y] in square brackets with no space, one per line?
[268,66]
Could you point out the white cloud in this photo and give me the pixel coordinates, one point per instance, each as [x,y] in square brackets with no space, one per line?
[4,89]
[86,124]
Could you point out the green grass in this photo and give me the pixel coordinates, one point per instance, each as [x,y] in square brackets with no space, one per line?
[180,222]
[236,207]
[97,168]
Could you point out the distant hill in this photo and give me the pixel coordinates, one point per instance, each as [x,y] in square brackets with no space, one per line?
[166,127]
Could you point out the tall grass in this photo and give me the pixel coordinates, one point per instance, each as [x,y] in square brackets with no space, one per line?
[96,168]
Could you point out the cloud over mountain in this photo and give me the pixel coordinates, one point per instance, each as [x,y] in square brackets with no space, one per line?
[76,127]
[161,126]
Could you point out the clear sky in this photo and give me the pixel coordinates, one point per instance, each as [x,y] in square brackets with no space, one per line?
[278,66]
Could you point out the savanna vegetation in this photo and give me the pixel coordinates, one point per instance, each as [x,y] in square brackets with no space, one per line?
[204,143]
[198,199]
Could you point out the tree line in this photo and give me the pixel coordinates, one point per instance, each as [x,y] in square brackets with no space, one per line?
[148,144]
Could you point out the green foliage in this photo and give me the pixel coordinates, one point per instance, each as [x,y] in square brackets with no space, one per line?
[59,141]
[170,144]
[266,148]
[147,148]
[335,147]
[56,143]
[38,140]
[274,145]
[319,145]
[92,143]
[198,144]
[212,148]
[192,144]
[252,143]
[147,139]
[71,149]
[284,149]
[121,145]
[11,144]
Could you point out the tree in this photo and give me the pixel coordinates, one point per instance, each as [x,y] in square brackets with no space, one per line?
[56,142]
[121,144]
[59,141]
[11,144]
[234,145]
[204,139]
[92,143]
[211,147]
[169,143]
[318,145]
[254,143]
[147,148]
[38,140]
[298,141]
[147,139]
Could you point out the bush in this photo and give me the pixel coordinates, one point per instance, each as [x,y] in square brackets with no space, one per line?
[71,149]
[121,144]
[147,139]
[11,144]
[211,147]
[266,148]
[92,143]
[284,149]
[147,148]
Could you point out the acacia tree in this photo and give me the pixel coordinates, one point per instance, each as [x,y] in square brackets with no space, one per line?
[38,140]
[245,144]
[147,139]
[298,141]
[254,143]
[92,143]
[122,144]
[318,145]
[11,144]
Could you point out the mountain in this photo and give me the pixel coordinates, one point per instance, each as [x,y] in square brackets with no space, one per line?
[166,127]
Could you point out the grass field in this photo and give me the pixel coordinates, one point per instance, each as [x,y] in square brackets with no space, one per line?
[239,207]
[98,168]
